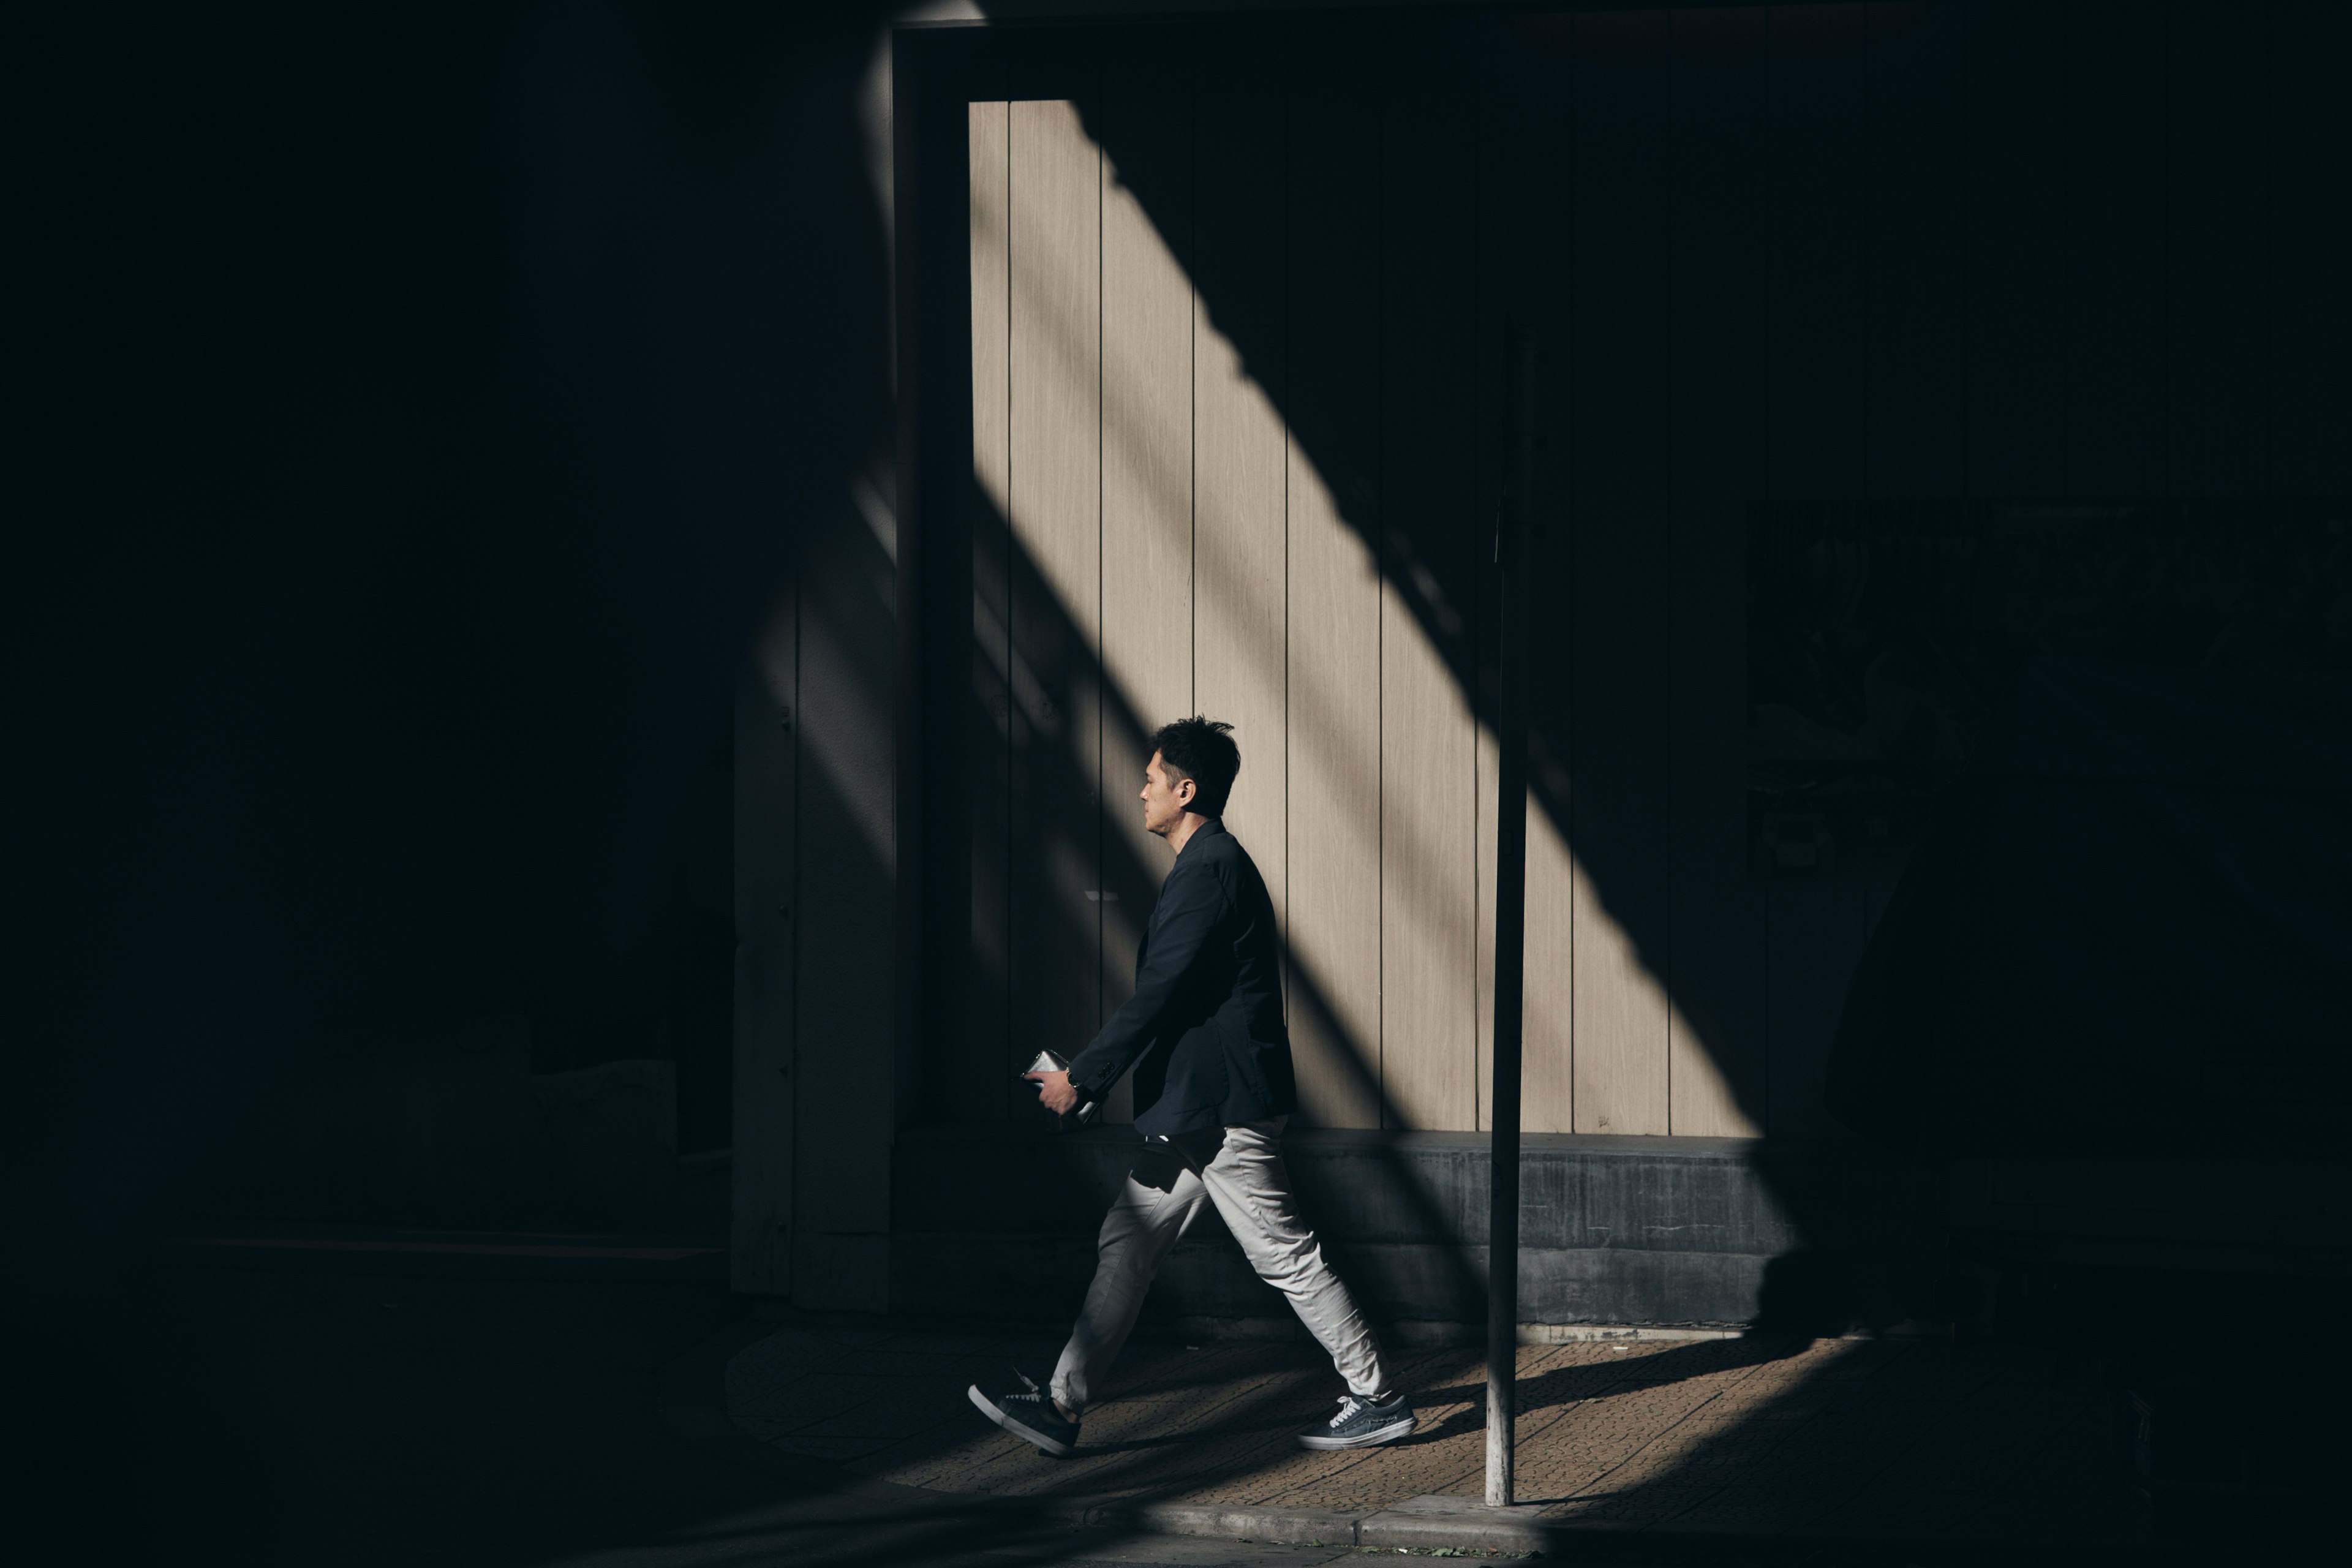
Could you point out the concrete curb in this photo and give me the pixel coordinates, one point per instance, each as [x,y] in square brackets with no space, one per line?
[1466,1524]
[1424,1522]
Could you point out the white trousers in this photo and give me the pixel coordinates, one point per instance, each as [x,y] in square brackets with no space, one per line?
[1239,1169]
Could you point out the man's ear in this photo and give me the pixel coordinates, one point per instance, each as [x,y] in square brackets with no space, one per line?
[1185,790]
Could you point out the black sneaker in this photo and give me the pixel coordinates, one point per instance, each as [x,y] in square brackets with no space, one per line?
[1361,1424]
[1032,1414]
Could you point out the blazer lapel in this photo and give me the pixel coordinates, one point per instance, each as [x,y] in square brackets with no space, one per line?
[1143,946]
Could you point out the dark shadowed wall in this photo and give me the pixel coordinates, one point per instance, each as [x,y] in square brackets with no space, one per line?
[1202,411]
[1236,296]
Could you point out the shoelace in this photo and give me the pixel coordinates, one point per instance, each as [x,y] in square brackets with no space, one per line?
[1035,1392]
[1348,1405]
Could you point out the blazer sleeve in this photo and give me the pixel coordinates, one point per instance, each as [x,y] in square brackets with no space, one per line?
[1192,907]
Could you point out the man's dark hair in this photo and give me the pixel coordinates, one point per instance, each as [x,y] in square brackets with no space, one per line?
[1200,749]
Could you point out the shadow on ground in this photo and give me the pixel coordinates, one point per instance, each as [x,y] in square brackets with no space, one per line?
[1779,1437]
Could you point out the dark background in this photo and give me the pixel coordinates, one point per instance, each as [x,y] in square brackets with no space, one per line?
[420,401]
[419,405]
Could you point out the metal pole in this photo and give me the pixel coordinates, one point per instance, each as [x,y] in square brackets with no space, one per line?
[1514,540]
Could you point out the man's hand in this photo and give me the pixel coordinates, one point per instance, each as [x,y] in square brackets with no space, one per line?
[1055,1092]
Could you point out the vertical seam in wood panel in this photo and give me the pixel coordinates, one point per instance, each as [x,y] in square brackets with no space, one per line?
[1662,965]
[1771,165]
[1282,403]
[1665,967]
[1478,891]
[1011,498]
[1102,689]
[1099,652]
[1282,406]
[1011,495]
[1570,519]
[1379,598]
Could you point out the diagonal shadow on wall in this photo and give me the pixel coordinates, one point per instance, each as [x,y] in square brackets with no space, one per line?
[1009,742]
[1605,686]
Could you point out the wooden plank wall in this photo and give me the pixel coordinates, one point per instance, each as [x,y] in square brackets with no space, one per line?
[1717,1075]
[1332,659]
[1615,510]
[1238,297]
[1146,470]
[1427,536]
[1241,560]
[980,1005]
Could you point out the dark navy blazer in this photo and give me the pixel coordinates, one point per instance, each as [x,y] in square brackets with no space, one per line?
[1206,1021]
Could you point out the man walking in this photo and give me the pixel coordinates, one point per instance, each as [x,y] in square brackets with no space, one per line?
[1214,1088]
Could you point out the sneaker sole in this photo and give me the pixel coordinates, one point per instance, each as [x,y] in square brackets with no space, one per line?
[1402,1427]
[990,1408]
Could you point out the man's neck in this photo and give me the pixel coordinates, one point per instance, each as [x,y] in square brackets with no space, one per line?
[1181,834]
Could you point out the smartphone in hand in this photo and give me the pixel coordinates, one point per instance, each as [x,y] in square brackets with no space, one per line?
[1046,1062]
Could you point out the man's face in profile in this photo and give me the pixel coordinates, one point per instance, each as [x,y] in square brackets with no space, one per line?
[1165,799]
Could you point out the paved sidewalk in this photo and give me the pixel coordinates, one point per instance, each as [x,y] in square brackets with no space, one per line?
[1889,1439]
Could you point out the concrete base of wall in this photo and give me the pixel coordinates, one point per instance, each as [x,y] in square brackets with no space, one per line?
[1011,1275]
[1613,1230]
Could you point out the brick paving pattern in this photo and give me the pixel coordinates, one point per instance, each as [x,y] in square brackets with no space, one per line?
[1844,1437]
